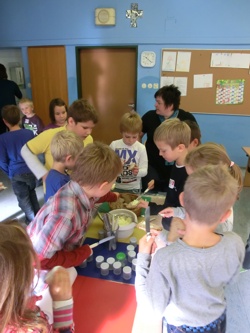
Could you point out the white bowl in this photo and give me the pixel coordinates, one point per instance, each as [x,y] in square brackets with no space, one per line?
[126,230]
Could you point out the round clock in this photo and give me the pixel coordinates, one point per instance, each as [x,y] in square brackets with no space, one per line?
[148,58]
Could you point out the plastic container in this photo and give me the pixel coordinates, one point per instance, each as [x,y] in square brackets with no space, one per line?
[98,261]
[126,272]
[117,268]
[104,268]
[126,230]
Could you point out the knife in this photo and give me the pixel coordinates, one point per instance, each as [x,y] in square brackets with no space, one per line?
[147,222]
[141,195]
[102,241]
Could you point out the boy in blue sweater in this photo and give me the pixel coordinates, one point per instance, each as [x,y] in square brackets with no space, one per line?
[11,162]
[65,147]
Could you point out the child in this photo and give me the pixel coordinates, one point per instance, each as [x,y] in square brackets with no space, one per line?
[132,153]
[82,118]
[57,113]
[195,139]
[58,230]
[30,120]
[167,106]
[65,147]
[11,162]
[186,280]
[205,154]
[172,138]
[18,311]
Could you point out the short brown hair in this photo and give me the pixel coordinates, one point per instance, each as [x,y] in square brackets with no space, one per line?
[131,123]
[195,130]
[11,114]
[173,132]
[65,143]
[96,164]
[214,154]
[82,111]
[208,193]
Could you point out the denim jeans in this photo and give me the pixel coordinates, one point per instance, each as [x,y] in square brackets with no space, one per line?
[217,326]
[24,188]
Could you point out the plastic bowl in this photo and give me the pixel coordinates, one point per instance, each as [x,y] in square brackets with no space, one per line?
[126,230]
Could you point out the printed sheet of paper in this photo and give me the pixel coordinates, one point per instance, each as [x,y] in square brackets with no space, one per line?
[180,82]
[183,61]
[203,81]
[168,61]
[230,60]
[166,81]
[230,91]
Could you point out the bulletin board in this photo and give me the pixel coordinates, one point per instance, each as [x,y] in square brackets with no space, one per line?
[203,100]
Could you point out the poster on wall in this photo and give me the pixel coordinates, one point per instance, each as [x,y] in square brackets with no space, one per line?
[230,91]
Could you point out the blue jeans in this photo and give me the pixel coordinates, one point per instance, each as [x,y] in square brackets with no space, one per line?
[24,188]
[217,326]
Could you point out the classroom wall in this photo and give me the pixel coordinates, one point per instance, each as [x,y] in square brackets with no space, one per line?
[192,24]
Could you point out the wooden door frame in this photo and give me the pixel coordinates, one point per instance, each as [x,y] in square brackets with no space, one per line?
[78,64]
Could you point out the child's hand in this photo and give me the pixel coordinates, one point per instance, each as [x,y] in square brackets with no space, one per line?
[151,184]
[117,195]
[147,246]
[167,212]
[143,204]
[135,170]
[59,284]
[177,229]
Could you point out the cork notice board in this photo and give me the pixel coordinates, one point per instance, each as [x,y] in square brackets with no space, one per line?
[203,100]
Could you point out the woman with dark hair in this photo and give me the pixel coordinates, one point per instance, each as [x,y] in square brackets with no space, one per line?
[8,91]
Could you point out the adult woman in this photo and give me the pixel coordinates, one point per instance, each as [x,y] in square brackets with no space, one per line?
[8,90]
[167,102]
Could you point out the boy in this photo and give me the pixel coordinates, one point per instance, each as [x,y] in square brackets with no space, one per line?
[11,162]
[186,281]
[65,147]
[60,225]
[132,153]
[167,106]
[82,118]
[172,138]
[30,120]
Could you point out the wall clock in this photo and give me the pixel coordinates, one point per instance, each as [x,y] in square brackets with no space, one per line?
[148,59]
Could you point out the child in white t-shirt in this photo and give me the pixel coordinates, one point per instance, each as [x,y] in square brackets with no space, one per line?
[132,154]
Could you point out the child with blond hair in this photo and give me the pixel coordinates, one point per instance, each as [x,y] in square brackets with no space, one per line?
[65,147]
[30,120]
[172,138]
[18,310]
[132,154]
[59,228]
[205,154]
[185,283]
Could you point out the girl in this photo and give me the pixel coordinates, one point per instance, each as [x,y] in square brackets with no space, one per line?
[57,113]
[18,312]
